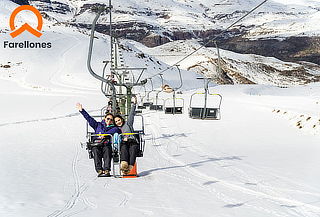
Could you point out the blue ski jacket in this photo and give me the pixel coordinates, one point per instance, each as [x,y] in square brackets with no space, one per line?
[99,127]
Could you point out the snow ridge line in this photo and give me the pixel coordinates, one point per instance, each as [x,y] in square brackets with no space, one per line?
[45,119]
[42,119]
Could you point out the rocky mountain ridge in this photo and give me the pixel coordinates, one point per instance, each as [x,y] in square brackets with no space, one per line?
[282,30]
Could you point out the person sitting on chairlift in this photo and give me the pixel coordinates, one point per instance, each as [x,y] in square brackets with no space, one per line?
[129,145]
[167,89]
[104,149]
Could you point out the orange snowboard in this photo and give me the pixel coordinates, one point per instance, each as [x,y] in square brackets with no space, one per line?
[133,172]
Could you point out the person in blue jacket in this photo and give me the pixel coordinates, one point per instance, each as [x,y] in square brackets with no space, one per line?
[103,151]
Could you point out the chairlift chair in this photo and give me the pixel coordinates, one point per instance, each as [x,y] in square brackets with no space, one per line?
[139,134]
[168,109]
[92,136]
[142,107]
[147,104]
[210,112]
[156,105]
[139,130]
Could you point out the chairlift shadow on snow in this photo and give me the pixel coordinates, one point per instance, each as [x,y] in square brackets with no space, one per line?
[209,182]
[225,158]
[195,164]
[164,136]
[297,206]
[289,206]
[234,205]
[251,183]
[176,155]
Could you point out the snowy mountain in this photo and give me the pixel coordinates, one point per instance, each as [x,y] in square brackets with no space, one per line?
[284,29]
[235,68]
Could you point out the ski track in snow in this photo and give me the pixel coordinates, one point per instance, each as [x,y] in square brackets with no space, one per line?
[270,194]
[79,190]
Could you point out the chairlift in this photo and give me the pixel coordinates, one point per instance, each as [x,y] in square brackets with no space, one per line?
[142,107]
[173,108]
[205,112]
[142,97]
[156,105]
[139,130]
[148,103]
[117,85]
[138,133]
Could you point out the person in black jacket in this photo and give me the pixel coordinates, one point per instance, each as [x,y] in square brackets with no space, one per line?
[103,151]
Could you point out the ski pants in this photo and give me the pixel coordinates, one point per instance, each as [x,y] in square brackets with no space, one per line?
[102,152]
[128,151]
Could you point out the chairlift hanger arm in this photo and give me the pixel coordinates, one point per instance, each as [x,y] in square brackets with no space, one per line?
[104,86]
[141,83]
[112,85]
[161,79]
[152,88]
[180,76]
[100,11]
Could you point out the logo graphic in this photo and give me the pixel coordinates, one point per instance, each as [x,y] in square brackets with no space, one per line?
[26,27]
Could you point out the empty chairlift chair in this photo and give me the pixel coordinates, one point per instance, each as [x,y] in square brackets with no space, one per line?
[205,107]
[175,107]
[138,126]
[147,104]
[157,105]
